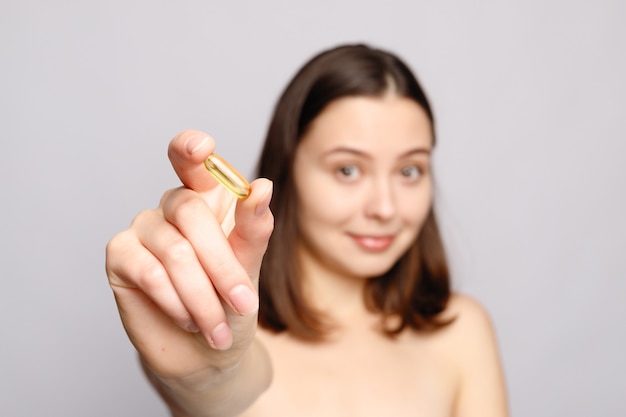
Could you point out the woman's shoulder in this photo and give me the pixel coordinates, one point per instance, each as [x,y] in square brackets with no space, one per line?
[467,311]
[469,342]
[470,322]
[469,335]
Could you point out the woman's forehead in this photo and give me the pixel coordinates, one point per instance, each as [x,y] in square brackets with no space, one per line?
[367,124]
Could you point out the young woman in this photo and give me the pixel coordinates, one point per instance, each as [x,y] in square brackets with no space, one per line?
[354,314]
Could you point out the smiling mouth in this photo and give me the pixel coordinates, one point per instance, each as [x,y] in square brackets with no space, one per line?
[373,243]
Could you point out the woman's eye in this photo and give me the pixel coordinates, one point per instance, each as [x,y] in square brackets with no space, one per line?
[349,171]
[411,172]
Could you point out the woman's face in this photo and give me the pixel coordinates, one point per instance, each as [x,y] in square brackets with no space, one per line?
[362,177]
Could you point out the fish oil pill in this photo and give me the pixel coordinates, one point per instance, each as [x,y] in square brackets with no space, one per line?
[228,176]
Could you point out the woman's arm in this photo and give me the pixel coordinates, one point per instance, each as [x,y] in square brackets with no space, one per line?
[185,278]
[210,392]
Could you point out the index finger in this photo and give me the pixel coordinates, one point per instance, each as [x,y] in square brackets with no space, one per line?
[187,152]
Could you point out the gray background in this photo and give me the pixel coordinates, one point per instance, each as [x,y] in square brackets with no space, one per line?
[530,100]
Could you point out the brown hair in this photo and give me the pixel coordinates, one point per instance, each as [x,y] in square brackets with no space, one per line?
[416,289]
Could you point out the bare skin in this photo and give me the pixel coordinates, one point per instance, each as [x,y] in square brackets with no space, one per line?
[377,193]
[362,373]
[185,275]
[178,283]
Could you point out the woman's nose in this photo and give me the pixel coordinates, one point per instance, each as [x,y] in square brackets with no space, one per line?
[381,200]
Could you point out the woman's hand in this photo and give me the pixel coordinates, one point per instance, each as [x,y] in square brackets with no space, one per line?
[185,274]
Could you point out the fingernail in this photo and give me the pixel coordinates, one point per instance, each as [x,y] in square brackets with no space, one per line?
[193,327]
[244,300]
[221,337]
[264,205]
[195,143]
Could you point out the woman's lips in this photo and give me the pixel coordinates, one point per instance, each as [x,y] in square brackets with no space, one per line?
[373,243]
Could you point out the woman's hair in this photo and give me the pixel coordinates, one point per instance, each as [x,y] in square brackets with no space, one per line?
[416,289]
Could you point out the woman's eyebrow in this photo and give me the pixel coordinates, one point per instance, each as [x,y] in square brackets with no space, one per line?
[411,152]
[363,154]
[343,149]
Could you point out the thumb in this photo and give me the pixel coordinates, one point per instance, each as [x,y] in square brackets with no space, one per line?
[254,224]
[186,152]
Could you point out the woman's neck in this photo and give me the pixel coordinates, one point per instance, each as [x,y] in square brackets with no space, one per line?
[338,296]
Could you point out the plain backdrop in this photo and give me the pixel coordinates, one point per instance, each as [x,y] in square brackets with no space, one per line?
[530,101]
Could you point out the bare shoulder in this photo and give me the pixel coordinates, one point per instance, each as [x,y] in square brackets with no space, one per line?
[469,333]
[470,342]
[469,315]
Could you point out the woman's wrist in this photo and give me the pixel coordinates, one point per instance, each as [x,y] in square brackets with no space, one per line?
[209,392]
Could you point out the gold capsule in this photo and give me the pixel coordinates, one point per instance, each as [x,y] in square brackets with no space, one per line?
[228,176]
